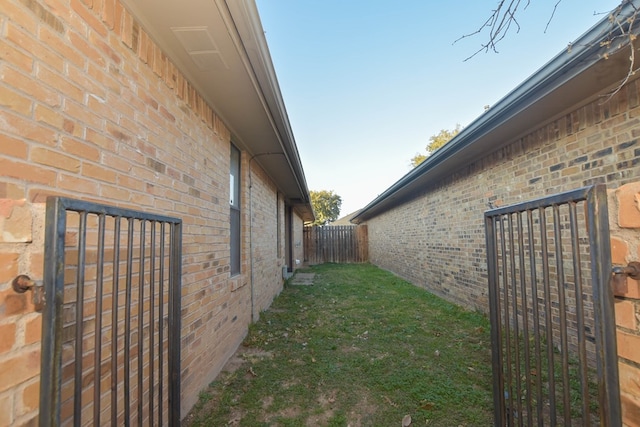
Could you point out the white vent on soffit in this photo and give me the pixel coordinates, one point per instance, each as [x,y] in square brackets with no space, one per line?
[200,46]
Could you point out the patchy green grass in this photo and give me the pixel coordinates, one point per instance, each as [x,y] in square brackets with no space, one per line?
[360,347]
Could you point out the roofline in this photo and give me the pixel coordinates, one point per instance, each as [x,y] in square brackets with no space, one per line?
[242,89]
[263,66]
[259,65]
[565,66]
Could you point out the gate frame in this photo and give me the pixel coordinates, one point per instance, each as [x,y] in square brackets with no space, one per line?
[53,281]
[603,299]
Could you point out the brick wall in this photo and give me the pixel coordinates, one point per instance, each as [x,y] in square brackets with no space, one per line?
[436,240]
[624,207]
[265,206]
[21,246]
[91,108]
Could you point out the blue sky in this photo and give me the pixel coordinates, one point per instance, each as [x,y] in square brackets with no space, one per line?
[367,82]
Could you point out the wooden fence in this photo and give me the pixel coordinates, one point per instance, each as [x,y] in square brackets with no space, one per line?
[337,243]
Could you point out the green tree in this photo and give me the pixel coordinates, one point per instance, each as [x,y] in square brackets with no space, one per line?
[435,141]
[326,205]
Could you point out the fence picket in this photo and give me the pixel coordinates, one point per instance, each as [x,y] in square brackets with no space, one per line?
[336,243]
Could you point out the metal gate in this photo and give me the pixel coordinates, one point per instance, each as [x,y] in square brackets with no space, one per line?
[111,323]
[551,306]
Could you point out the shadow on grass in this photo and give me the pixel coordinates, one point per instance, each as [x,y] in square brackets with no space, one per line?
[360,347]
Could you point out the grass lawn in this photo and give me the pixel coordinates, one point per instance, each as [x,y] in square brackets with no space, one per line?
[360,347]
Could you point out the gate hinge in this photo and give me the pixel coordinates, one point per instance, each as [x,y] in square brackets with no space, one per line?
[632,270]
[23,283]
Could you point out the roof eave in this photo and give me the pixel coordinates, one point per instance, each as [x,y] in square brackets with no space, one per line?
[238,81]
[247,22]
[547,93]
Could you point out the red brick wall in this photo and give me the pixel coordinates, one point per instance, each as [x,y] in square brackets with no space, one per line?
[91,108]
[21,246]
[624,206]
[437,239]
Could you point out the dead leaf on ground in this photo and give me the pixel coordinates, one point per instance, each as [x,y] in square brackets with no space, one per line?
[390,402]
[427,405]
[406,421]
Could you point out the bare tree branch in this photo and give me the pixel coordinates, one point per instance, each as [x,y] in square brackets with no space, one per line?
[499,23]
[621,31]
[555,7]
[626,38]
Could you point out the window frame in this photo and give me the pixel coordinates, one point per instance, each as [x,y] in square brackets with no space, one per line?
[235,210]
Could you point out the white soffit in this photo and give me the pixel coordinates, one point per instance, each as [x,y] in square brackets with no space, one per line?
[200,46]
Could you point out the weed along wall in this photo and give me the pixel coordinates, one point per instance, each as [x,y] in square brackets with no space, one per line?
[436,238]
[92,108]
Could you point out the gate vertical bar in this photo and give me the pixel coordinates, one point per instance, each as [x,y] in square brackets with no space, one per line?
[97,361]
[141,273]
[152,293]
[160,326]
[582,350]
[548,314]
[77,387]
[494,302]
[53,278]
[525,317]
[517,375]
[508,392]
[536,315]
[174,322]
[598,219]
[564,346]
[114,320]
[127,325]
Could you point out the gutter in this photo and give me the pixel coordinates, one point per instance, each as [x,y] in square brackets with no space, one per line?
[563,68]
[251,41]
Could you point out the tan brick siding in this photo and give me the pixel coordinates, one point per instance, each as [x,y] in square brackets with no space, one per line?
[436,240]
[91,108]
[263,209]
[441,229]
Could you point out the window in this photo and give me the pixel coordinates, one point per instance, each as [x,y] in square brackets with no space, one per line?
[234,206]
[279,227]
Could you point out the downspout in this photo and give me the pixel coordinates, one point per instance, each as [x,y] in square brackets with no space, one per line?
[253,316]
